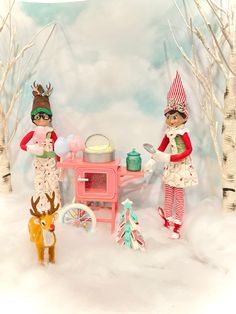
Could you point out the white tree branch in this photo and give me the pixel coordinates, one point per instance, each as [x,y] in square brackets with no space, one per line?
[194,30]
[13,132]
[21,53]
[207,23]
[180,12]
[198,74]
[11,64]
[225,33]
[220,50]
[213,127]
[207,47]
[214,10]
[193,46]
[7,15]
[14,98]
[217,7]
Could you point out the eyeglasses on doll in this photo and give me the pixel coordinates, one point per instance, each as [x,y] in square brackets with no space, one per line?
[42,115]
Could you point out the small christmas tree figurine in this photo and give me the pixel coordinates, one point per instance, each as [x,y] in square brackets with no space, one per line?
[128,233]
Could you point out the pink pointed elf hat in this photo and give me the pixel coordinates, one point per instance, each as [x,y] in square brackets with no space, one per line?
[176,97]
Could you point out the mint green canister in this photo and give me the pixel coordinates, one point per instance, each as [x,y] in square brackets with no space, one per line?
[133,161]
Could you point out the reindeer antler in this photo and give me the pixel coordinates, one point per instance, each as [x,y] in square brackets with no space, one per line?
[49,89]
[35,89]
[51,201]
[34,210]
[38,89]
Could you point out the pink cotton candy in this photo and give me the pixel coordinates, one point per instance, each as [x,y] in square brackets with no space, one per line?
[40,134]
[75,143]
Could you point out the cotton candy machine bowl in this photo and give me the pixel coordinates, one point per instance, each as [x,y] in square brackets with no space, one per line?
[98,149]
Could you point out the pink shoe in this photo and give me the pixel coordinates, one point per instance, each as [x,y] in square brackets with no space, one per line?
[167,221]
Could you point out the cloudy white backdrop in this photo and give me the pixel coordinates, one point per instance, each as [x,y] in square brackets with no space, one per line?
[110,75]
[106,62]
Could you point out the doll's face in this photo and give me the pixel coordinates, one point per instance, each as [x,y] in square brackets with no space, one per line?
[42,119]
[174,119]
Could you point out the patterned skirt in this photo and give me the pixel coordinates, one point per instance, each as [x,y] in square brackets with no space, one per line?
[180,174]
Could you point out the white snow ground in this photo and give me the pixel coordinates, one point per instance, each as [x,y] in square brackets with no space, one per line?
[92,274]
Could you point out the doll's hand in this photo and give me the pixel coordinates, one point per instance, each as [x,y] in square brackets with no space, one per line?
[148,167]
[35,149]
[161,157]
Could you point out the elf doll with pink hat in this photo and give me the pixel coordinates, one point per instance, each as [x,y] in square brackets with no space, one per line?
[178,170]
[43,138]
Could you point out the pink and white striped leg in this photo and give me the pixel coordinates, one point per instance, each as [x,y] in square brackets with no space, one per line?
[179,201]
[169,200]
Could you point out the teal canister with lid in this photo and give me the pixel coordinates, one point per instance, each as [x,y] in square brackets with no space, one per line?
[133,161]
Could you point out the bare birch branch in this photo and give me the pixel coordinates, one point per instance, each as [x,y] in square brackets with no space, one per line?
[11,64]
[201,37]
[201,12]
[207,108]
[26,76]
[223,28]
[204,43]
[213,131]
[216,14]
[215,42]
[13,132]
[167,60]
[216,6]
[15,96]
[220,51]
[198,74]
[7,15]
[181,14]
[193,45]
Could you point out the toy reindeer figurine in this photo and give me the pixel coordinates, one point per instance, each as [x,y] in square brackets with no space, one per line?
[41,228]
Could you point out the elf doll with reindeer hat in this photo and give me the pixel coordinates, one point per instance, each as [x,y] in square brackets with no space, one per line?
[43,138]
[178,170]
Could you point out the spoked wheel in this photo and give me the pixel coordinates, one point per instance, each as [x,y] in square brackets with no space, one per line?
[79,215]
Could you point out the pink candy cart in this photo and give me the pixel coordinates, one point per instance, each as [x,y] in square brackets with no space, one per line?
[96,188]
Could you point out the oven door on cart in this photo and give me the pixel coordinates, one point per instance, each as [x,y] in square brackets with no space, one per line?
[96,183]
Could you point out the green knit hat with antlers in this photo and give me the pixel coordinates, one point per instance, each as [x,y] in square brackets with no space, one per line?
[41,99]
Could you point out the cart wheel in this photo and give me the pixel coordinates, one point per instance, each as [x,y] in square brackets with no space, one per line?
[79,215]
